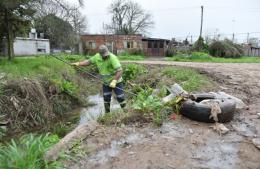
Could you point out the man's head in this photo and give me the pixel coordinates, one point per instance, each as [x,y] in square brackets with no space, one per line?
[103,51]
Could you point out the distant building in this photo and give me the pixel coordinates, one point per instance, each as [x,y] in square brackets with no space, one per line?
[29,46]
[250,50]
[124,43]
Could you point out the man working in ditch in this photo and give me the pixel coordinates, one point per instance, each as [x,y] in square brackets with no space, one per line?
[111,71]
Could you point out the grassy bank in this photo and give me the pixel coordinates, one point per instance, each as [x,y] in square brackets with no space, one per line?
[36,91]
[203,57]
[150,83]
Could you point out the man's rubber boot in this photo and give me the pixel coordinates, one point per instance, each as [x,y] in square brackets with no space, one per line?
[123,105]
[107,107]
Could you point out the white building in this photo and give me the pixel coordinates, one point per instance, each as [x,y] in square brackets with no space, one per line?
[29,46]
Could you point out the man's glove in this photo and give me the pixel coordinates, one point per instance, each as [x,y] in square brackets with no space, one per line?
[75,64]
[113,83]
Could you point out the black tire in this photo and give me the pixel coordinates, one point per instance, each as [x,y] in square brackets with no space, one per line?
[201,96]
[201,112]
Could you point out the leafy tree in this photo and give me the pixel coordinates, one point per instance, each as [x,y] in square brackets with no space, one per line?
[200,45]
[59,32]
[15,18]
[49,11]
[128,17]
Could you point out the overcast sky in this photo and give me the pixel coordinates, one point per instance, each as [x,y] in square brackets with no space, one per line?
[180,18]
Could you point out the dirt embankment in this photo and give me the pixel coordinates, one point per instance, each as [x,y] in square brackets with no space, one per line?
[184,143]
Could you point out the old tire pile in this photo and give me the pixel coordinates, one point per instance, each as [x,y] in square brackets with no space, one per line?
[193,109]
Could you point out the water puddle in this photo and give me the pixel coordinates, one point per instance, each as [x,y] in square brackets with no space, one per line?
[93,112]
[113,150]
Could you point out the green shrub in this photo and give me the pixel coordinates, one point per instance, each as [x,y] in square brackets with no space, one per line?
[27,153]
[226,49]
[131,71]
[200,45]
[69,88]
[200,56]
[149,106]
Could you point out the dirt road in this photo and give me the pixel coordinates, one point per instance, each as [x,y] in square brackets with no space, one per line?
[184,143]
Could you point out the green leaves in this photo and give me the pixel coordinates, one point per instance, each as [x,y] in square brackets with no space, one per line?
[27,152]
[149,106]
[131,71]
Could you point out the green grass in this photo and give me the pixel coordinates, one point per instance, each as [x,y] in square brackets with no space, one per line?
[203,58]
[131,57]
[189,79]
[35,66]
[27,153]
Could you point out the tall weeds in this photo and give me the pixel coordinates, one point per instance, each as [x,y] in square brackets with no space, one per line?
[27,153]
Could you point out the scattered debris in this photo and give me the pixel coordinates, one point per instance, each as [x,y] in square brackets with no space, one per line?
[222,95]
[191,131]
[173,116]
[256,142]
[258,114]
[220,128]
[175,90]
[215,108]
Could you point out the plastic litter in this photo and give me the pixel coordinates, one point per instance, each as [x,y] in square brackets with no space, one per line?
[221,128]
[175,90]
[222,95]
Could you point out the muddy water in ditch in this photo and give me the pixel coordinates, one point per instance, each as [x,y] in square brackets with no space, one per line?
[97,108]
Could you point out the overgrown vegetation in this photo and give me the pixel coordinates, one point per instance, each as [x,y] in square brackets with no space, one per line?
[226,49]
[149,84]
[38,90]
[200,45]
[28,153]
[150,106]
[205,57]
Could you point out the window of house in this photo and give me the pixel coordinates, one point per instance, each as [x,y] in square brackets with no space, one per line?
[150,44]
[92,45]
[161,44]
[130,45]
[41,50]
[155,45]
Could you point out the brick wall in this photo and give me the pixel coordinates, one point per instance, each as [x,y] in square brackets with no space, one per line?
[116,43]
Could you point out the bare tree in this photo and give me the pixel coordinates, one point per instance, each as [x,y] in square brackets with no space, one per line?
[128,17]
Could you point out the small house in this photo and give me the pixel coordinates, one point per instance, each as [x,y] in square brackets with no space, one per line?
[118,44]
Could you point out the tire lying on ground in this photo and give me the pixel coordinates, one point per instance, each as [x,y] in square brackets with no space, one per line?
[202,112]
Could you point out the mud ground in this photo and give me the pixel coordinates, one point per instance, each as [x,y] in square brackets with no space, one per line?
[183,143]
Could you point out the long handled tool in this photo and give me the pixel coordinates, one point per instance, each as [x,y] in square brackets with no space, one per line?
[90,74]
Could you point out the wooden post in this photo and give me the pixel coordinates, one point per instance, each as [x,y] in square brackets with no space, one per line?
[201,24]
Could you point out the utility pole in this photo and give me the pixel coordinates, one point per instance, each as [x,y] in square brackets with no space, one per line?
[201,23]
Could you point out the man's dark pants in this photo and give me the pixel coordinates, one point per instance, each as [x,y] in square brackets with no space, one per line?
[107,94]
